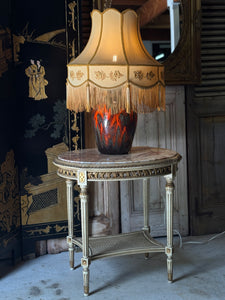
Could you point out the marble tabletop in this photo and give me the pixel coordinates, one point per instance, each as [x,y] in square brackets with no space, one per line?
[137,156]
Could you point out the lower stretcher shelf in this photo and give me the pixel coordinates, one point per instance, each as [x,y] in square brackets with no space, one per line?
[121,244]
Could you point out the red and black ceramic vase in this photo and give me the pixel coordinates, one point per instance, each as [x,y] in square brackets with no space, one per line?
[114,133]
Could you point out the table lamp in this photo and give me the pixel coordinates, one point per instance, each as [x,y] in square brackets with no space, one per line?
[115,78]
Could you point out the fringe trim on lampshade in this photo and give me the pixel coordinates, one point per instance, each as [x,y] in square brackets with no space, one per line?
[147,100]
[126,97]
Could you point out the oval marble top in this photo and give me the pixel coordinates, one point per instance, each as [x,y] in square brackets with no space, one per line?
[137,156]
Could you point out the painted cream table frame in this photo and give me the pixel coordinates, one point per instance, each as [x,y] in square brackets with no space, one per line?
[141,163]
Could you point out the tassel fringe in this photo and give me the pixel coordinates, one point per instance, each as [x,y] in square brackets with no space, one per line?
[127,97]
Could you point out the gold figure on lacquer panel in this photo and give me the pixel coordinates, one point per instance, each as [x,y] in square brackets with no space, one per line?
[37,82]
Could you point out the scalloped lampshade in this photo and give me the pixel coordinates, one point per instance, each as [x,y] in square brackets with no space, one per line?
[115,70]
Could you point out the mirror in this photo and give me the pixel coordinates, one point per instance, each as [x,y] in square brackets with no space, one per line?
[183,65]
[162,33]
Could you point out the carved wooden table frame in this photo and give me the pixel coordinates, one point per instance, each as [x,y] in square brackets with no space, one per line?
[142,163]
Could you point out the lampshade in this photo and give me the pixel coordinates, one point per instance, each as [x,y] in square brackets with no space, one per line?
[115,70]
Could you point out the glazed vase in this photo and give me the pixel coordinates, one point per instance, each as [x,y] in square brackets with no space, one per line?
[114,133]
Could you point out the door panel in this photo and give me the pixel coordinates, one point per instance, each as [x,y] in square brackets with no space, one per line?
[206,172]
[165,130]
[206,127]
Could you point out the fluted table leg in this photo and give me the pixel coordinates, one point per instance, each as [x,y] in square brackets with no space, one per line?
[146,209]
[84,227]
[69,184]
[169,217]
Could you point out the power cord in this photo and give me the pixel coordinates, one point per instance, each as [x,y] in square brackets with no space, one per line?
[181,243]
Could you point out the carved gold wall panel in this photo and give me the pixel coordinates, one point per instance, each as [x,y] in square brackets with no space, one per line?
[9,200]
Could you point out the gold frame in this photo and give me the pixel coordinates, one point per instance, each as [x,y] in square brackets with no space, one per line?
[183,66]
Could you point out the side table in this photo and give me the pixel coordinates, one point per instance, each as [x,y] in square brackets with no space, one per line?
[141,163]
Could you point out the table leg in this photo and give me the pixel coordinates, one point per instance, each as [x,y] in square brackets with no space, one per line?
[146,209]
[169,217]
[84,228]
[69,184]
[146,205]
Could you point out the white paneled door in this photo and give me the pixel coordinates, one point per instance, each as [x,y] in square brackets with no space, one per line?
[164,130]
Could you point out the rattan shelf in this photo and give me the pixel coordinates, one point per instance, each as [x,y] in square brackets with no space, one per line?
[121,244]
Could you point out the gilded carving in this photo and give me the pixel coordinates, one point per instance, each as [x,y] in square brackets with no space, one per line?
[25,204]
[71,7]
[61,228]
[82,177]
[114,175]
[75,140]
[75,128]
[40,231]
[9,197]
[72,12]
[73,49]
[128,174]
[69,173]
